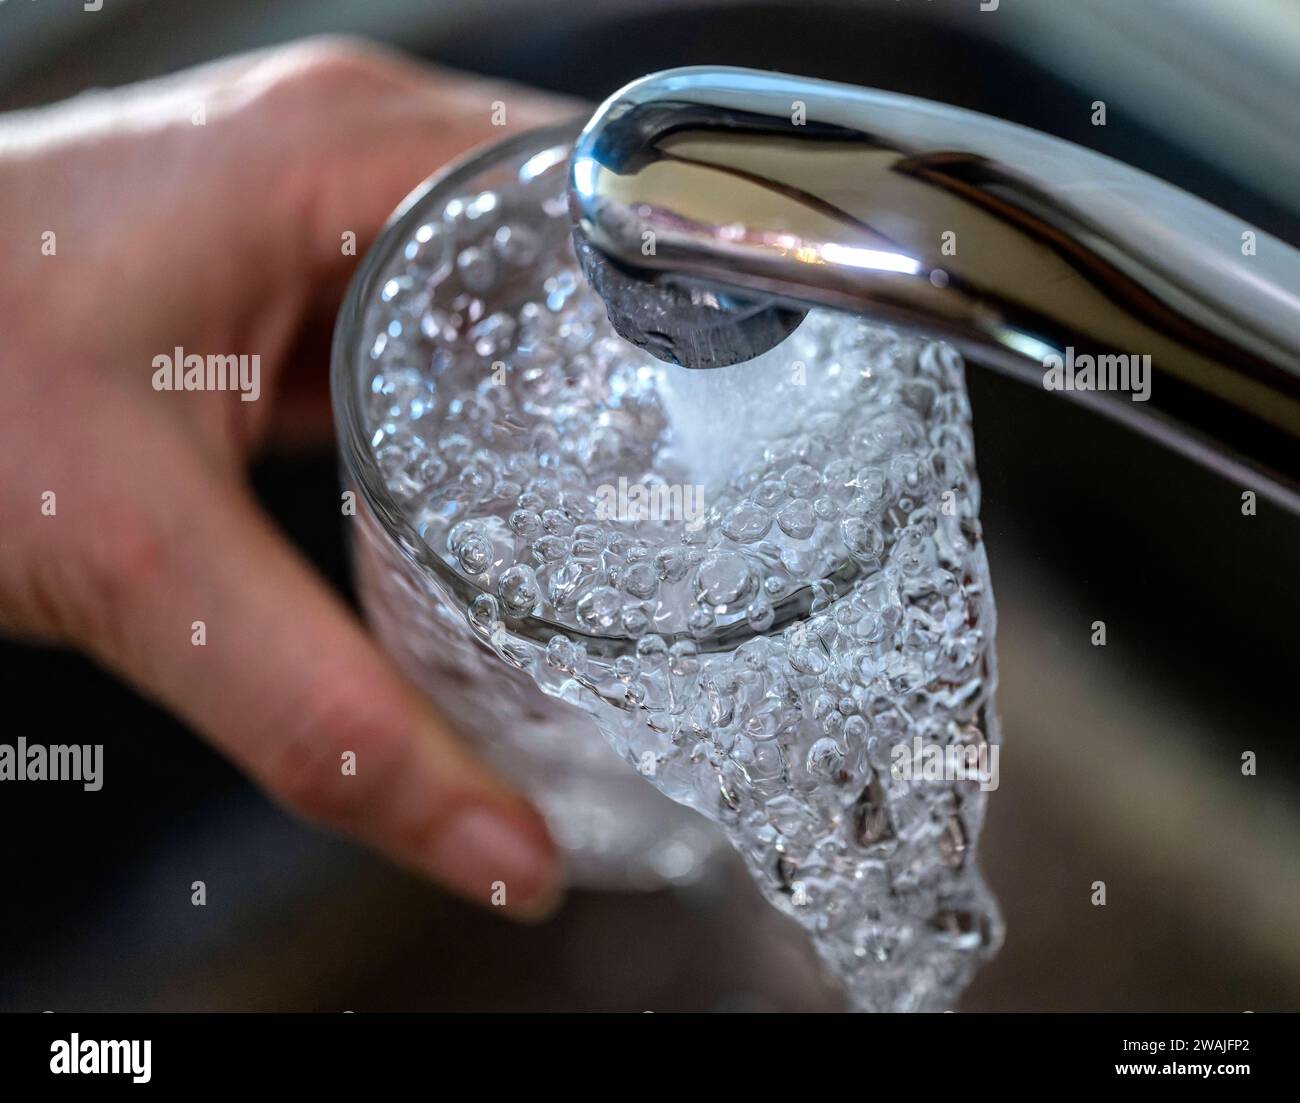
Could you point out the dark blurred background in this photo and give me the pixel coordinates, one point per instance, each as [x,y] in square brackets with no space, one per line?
[1121,763]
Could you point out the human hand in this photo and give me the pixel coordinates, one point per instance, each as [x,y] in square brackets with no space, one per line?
[225,238]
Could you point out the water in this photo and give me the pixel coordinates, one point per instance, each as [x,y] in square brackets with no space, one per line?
[765,583]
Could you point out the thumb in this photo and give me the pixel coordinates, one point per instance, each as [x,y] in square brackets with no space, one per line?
[287,683]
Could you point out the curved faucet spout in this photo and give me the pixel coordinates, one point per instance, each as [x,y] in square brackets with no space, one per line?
[713,206]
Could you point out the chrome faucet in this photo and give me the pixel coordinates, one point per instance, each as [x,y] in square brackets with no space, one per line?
[713,207]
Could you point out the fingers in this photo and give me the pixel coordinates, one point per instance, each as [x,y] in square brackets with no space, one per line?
[223,622]
[281,160]
[287,163]
[365,125]
[391,122]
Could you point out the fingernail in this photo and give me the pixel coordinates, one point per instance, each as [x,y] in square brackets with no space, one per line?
[499,859]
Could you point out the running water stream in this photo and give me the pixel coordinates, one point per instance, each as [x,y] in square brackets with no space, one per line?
[806,659]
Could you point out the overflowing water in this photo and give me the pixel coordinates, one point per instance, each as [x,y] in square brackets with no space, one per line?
[766,583]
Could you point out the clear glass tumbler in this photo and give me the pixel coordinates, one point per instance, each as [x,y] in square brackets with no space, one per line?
[444,248]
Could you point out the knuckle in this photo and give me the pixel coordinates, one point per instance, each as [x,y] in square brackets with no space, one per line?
[338,62]
[417,831]
[309,770]
[94,596]
[123,563]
